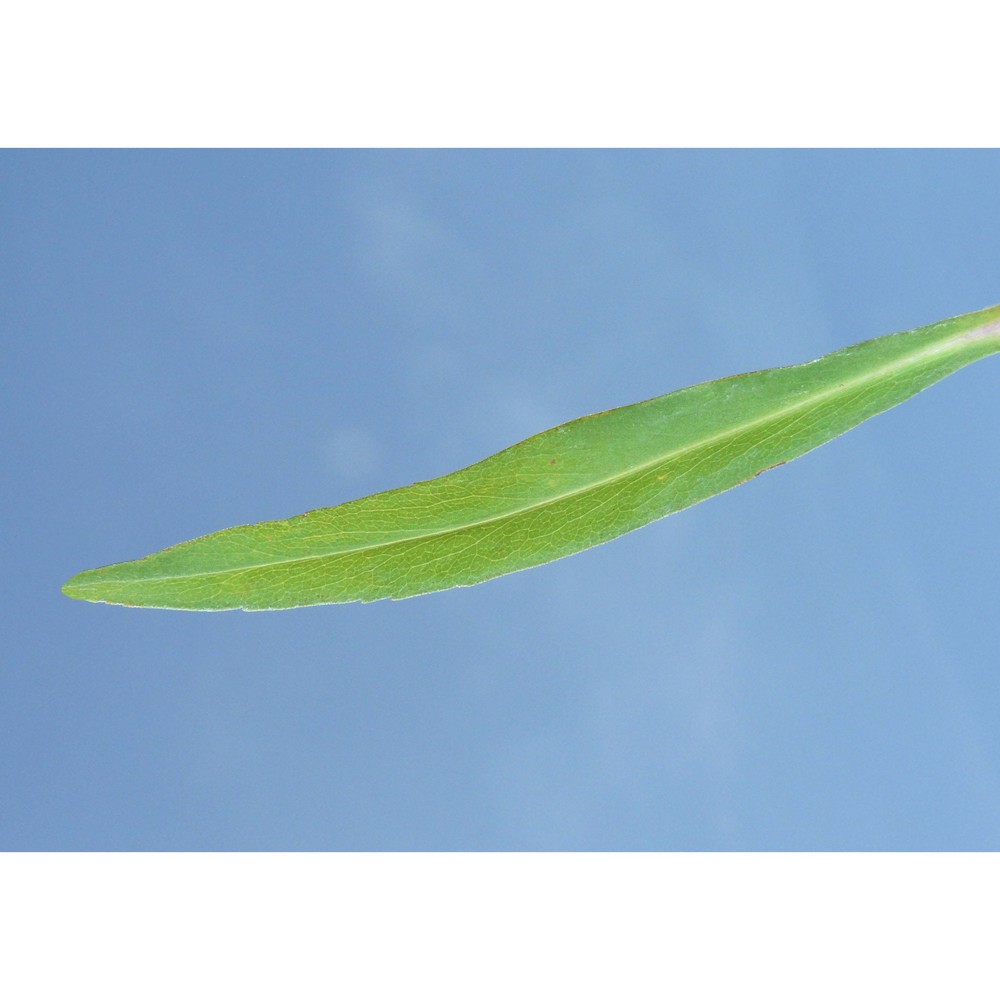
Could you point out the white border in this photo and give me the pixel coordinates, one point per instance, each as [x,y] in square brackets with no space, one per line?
[536,73]
[499,925]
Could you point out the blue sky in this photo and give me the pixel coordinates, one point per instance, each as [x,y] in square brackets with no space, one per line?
[194,340]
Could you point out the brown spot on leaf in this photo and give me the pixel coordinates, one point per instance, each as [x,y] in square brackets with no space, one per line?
[769,468]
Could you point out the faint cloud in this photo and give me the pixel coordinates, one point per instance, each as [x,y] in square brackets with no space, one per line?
[414,254]
[354,454]
[520,410]
[650,719]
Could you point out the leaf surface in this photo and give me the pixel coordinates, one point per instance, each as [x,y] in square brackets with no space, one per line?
[567,489]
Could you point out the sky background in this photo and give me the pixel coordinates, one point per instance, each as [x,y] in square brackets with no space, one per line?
[194,340]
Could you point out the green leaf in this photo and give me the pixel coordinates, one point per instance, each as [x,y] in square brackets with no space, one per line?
[562,491]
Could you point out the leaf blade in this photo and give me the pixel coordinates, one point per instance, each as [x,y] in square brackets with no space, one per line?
[577,485]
